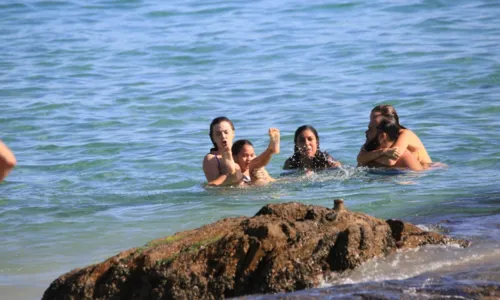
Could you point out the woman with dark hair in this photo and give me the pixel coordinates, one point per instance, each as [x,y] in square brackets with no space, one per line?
[407,140]
[218,164]
[384,135]
[306,152]
[252,168]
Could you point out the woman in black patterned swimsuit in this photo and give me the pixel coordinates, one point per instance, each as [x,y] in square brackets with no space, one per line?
[306,152]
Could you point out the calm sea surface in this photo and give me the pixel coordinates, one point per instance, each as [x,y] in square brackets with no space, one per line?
[107,105]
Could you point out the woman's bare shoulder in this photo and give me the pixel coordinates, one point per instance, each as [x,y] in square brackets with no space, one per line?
[407,131]
[210,158]
[412,138]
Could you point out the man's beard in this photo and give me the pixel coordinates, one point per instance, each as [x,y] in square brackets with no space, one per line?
[372,144]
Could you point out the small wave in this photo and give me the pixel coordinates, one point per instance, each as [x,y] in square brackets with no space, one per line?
[410,263]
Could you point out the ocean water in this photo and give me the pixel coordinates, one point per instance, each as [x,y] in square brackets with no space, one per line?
[107,105]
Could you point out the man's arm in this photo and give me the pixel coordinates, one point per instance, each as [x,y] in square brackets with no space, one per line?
[364,157]
[389,156]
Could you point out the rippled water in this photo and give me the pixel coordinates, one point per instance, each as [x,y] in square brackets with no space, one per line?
[107,104]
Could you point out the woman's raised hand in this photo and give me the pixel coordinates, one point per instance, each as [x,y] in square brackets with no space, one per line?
[274,140]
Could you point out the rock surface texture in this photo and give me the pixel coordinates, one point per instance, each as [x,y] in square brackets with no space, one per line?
[283,248]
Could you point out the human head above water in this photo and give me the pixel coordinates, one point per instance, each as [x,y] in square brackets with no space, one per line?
[390,128]
[243,153]
[387,132]
[304,135]
[215,134]
[238,146]
[386,110]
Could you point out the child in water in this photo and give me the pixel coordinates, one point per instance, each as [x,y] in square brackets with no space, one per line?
[252,168]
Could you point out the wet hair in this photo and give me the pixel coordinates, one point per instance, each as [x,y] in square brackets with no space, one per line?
[320,160]
[217,121]
[238,145]
[388,126]
[371,144]
[299,131]
[388,111]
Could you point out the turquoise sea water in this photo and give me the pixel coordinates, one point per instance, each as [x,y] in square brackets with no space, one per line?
[107,104]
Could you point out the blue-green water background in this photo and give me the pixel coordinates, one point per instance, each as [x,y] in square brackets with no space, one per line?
[106,105]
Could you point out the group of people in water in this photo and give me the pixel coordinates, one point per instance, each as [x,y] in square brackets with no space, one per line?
[388,145]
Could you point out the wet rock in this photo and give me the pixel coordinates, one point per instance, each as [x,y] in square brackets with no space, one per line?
[283,248]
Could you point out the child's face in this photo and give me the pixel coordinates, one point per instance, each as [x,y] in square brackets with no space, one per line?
[246,155]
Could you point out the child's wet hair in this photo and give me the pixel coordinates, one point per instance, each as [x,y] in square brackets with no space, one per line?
[238,146]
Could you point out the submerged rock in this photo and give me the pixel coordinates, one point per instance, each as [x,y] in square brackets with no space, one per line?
[283,248]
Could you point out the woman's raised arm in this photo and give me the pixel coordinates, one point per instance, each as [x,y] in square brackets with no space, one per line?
[274,147]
